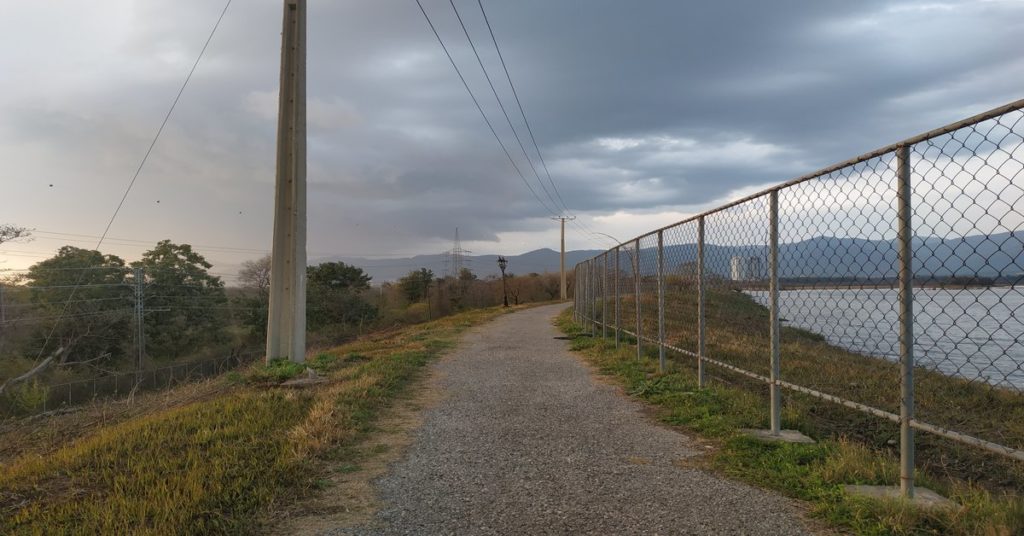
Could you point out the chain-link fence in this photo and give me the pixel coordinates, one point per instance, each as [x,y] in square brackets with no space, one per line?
[890,284]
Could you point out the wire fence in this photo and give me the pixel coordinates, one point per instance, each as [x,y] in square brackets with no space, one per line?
[889,284]
[124,383]
[71,333]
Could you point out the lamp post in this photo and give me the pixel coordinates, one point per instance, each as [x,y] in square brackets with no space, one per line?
[502,264]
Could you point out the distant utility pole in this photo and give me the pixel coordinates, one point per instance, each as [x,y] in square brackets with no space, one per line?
[286,322]
[565,294]
[140,326]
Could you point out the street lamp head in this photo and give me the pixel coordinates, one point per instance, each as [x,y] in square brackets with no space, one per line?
[502,263]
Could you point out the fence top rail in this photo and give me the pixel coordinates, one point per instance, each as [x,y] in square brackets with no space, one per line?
[194,362]
[952,127]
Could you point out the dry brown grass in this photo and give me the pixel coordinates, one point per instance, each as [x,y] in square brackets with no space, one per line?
[737,333]
[211,458]
[43,434]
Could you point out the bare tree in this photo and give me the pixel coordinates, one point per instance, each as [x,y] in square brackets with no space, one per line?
[10,233]
[255,274]
[254,277]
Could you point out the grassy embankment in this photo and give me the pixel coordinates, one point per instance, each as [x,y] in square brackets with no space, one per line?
[852,448]
[214,463]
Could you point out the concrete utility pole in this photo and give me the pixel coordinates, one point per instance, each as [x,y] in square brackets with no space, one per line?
[565,293]
[286,322]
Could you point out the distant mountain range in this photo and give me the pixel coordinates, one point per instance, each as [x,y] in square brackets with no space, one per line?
[539,261]
[990,256]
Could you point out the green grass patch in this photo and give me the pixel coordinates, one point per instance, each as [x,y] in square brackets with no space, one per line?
[815,473]
[276,371]
[217,465]
[349,468]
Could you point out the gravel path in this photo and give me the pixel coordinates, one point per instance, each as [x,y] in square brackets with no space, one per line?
[527,442]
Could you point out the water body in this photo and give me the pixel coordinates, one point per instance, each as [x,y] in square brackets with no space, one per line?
[975,333]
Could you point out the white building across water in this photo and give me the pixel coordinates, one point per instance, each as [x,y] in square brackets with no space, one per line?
[746,268]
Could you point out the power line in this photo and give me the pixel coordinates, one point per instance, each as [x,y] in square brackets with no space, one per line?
[149,243]
[132,242]
[481,110]
[529,129]
[91,300]
[520,105]
[163,124]
[565,209]
[79,285]
[126,268]
[501,105]
[138,170]
[62,316]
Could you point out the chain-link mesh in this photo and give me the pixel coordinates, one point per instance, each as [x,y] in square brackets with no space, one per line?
[839,280]
[968,224]
[680,245]
[736,263]
[837,270]
[649,289]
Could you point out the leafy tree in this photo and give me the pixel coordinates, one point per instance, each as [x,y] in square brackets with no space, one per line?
[185,304]
[459,286]
[466,275]
[416,284]
[334,295]
[89,293]
[338,276]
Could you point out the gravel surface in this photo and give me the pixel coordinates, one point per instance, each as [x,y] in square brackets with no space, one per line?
[527,442]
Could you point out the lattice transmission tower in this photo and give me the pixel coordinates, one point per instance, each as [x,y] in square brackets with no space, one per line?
[455,259]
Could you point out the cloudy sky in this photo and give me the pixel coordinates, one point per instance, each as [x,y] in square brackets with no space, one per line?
[645,112]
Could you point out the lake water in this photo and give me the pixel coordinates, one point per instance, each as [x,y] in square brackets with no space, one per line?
[973,333]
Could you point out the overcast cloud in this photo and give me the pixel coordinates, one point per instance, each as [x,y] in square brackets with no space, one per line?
[645,112]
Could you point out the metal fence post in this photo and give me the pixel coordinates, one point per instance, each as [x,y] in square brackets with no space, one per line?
[906,307]
[578,290]
[618,310]
[636,278]
[773,297]
[584,289]
[661,301]
[586,294]
[701,313]
[581,290]
[604,295]
[592,294]
[575,294]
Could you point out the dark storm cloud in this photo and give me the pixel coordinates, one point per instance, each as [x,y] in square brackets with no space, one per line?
[639,107]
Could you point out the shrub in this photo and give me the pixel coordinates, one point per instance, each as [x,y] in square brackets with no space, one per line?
[27,398]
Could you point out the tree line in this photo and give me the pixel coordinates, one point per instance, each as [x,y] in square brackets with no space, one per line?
[189,312]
